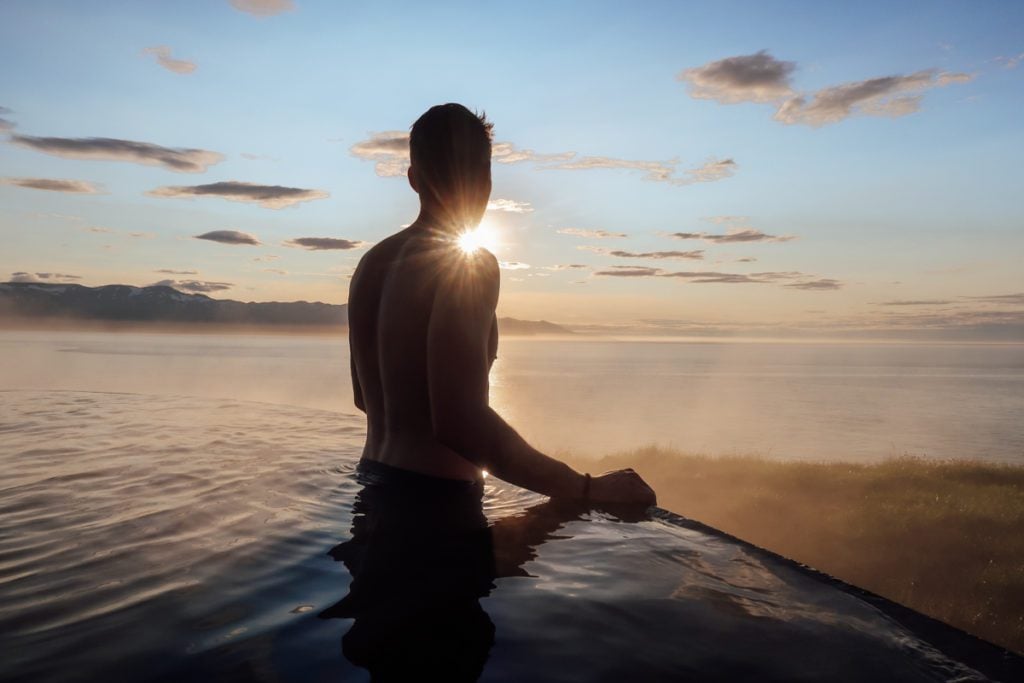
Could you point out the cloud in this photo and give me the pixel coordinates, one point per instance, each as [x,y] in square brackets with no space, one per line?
[715,277]
[747,78]
[567,266]
[5,123]
[267,257]
[695,255]
[892,96]
[509,206]
[746,259]
[508,153]
[709,172]
[228,237]
[324,243]
[142,235]
[821,283]
[513,265]
[22,276]
[1007,62]
[198,286]
[99,229]
[734,235]
[168,271]
[628,271]
[390,150]
[918,302]
[711,277]
[178,159]
[592,234]
[762,78]
[1013,299]
[275,271]
[53,185]
[164,59]
[267,196]
[263,8]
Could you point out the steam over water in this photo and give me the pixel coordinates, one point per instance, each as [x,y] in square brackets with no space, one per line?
[808,401]
[168,502]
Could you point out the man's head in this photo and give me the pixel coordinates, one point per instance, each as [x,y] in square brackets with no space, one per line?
[450,150]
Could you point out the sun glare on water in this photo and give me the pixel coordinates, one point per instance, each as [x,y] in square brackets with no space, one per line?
[482,237]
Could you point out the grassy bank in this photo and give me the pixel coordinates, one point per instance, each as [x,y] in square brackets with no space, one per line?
[945,538]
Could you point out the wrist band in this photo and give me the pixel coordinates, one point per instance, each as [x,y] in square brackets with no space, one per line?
[586,486]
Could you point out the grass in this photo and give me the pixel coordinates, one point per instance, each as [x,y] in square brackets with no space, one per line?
[943,537]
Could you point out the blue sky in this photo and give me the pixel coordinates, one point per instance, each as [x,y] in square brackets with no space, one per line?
[868,152]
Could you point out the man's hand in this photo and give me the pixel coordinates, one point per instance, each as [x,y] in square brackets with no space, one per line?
[621,486]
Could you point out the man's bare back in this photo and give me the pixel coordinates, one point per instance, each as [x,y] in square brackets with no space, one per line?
[391,301]
[423,332]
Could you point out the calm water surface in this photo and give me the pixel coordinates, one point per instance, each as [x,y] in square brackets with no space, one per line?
[808,401]
[179,537]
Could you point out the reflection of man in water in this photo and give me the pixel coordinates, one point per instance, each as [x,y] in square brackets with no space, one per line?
[423,335]
[423,332]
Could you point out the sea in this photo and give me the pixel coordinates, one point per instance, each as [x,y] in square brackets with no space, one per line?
[591,397]
[182,507]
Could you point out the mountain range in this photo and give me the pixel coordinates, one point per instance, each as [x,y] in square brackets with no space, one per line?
[164,304]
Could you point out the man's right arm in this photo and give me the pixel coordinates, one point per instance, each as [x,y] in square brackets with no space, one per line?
[458,363]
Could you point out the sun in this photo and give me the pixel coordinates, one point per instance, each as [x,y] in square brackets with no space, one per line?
[483,236]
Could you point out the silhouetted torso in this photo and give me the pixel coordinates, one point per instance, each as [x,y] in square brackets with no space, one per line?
[391,298]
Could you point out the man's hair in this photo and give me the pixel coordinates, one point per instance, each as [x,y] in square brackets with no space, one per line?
[450,148]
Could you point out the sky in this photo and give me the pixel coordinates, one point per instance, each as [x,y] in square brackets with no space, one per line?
[751,168]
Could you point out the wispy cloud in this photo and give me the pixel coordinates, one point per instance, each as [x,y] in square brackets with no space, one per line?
[821,283]
[263,8]
[567,266]
[591,234]
[169,271]
[695,255]
[792,279]
[22,276]
[267,196]
[53,185]
[6,123]
[1014,299]
[179,159]
[509,206]
[513,265]
[195,286]
[747,78]
[275,271]
[390,149]
[1011,62]
[739,235]
[162,53]
[892,96]
[324,243]
[628,271]
[915,302]
[390,152]
[762,78]
[229,237]
[657,171]
[508,153]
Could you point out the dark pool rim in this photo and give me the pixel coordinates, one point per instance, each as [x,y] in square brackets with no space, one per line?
[994,661]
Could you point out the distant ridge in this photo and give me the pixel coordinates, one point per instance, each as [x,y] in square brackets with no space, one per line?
[163,304]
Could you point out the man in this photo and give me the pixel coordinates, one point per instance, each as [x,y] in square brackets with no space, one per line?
[423,333]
